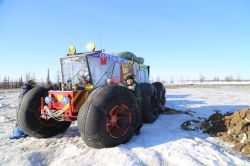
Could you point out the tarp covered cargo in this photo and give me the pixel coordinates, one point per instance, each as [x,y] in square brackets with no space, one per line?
[130,56]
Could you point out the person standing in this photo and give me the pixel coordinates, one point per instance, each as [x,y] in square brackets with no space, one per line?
[17,131]
[132,85]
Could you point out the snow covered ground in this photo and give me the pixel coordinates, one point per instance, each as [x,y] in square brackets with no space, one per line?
[160,143]
[210,83]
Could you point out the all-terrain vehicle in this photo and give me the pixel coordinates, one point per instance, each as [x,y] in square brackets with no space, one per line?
[107,115]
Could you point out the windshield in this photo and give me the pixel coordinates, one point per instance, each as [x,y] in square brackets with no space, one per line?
[75,70]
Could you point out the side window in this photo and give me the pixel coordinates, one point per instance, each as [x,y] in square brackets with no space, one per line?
[136,71]
[100,72]
[116,77]
[143,74]
[142,79]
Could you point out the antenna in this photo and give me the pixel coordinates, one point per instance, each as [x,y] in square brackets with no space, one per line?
[99,34]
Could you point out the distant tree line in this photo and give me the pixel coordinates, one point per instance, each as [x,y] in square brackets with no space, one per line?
[201,78]
[6,83]
[227,78]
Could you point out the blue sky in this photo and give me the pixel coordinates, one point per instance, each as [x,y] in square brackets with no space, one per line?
[177,38]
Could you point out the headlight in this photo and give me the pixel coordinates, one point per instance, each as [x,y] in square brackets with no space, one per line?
[65,100]
[48,100]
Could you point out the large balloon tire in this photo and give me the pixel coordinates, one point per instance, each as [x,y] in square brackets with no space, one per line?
[161,91]
[109,117]
[29,116]
[149,103]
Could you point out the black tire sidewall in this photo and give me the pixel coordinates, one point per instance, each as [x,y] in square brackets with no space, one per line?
[93,115]
[148,92]
[29,116]
[160,95]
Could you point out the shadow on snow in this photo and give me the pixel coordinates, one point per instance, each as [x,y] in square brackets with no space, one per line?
[167,127]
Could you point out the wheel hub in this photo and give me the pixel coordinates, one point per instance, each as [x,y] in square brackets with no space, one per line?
[118,121]
[113,120]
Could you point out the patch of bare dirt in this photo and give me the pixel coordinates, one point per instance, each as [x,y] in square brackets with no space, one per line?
[231,127]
